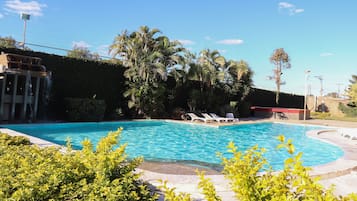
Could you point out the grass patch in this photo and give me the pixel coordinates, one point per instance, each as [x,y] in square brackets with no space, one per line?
[328,116]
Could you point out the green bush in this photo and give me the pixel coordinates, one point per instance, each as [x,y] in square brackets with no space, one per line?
[321,115]
[348,110]
[84,109]
[6,139]
[33,173]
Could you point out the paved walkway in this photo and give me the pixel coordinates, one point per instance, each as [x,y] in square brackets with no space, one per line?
[342,172]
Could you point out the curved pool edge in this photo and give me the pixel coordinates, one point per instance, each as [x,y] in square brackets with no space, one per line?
[343,165]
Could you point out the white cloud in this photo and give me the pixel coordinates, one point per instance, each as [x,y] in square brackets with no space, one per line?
[230,42]
[17,6]
[285,5]
[186,42]
[299,10]
[80,44]
[1,16]
[290,8]
[326,54]
[222,51]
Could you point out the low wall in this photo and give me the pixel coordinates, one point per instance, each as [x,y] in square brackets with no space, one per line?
[279,113]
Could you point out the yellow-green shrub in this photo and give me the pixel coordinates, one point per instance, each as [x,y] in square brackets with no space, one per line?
[6,139]
[248,183]
[33,173]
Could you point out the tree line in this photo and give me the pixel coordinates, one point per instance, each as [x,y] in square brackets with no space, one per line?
[150,58]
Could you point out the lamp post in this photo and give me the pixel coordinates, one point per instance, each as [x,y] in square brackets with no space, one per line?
[306,76]
[24,17]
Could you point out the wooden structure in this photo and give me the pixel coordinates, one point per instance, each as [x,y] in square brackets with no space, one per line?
[280,113]
[22,79]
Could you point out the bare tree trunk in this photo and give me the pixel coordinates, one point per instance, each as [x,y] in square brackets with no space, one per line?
[278,82]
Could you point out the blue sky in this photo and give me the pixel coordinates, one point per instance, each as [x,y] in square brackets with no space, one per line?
[318,35]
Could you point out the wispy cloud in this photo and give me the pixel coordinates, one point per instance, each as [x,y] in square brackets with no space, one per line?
[186,42]
[222,51]
[230,42]
[32,7]
[80,44]
[1,16]
[326,54]
[290,8]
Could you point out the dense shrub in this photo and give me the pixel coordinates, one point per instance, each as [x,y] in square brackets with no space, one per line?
[6,139]
[33,173]
[249,184]
[348,110]
[320,115]
[84,109]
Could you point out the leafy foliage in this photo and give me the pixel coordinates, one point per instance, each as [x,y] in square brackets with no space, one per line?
[147,58]
[6,140]
[208,188]
[34,173]
[79,52]
[352,92]
[171,195]
[8,42]
[349,111]
[85,109]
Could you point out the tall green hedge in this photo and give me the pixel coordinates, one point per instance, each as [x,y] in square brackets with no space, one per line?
[80,79]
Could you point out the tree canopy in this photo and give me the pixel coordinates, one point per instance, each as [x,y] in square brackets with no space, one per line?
[83,53]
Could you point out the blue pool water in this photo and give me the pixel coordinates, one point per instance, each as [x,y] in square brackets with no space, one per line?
[190,144]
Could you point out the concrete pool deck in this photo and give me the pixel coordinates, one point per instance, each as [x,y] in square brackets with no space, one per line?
[342,172]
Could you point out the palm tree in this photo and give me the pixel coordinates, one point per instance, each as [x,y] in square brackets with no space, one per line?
[281,61]
[237,78]
[147,59]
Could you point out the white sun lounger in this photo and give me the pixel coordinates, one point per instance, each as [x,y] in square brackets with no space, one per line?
[217,119]
[194,117]
[215,116]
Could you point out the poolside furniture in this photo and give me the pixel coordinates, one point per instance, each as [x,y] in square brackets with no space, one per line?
[214,115]
[194,117]
[217,119]
[281,115]
[230,116]
[350,133]
[274,112]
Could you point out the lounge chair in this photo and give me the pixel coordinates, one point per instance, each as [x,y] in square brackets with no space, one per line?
[281,115]
[210,117]
[194,117]
[215,116]
[350,133]
[230,116]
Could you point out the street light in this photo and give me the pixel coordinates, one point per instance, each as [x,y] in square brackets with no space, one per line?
[24,17]
[306,76]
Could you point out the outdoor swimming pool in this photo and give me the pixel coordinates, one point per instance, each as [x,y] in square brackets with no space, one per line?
[191,144]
